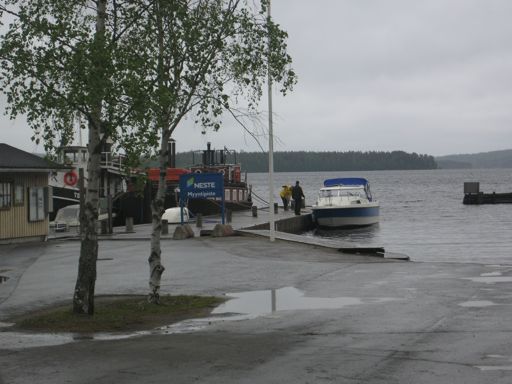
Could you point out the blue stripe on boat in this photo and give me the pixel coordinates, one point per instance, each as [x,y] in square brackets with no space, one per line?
[346,212]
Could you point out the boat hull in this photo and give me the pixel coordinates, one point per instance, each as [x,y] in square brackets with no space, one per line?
[350,216]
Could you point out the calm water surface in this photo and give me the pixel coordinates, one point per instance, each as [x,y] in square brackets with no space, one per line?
[422,214]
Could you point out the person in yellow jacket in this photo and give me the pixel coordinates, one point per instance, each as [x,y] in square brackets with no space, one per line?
[286,195]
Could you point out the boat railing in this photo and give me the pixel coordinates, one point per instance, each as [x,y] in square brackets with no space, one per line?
[112,161]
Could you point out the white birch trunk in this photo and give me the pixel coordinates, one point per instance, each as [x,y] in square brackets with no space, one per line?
[156,269]
[83,298]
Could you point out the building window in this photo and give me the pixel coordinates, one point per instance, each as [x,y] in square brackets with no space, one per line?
[5,195]
[19,195]
[36,204]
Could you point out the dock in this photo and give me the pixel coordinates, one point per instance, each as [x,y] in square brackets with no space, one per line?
[288,227]
[473,196]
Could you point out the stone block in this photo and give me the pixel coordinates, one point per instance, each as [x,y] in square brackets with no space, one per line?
[223,230]
[183,232]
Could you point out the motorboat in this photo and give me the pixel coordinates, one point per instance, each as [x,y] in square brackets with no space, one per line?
[68,218]
[173,215]
[345,202]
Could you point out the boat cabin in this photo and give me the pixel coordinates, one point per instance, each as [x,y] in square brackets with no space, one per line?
[342,196]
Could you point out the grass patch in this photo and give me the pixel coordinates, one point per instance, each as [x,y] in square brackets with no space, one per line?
[118,314]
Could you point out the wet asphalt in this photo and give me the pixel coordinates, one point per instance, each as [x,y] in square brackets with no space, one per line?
[301,313]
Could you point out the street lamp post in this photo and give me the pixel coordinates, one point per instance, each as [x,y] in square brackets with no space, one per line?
[272,234]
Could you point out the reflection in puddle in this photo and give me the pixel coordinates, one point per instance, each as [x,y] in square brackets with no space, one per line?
[477,304]
[285,299]
[243,306]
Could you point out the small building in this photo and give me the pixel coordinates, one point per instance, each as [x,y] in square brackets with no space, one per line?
[25,199]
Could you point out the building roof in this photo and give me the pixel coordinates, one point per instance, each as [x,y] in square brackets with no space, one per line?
[14,159]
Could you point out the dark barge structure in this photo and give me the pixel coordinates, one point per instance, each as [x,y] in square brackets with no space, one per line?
[473,196]
[237,192]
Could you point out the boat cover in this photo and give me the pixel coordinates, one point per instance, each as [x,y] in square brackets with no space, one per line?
[345,181]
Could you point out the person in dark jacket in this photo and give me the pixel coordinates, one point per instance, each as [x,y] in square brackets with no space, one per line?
[297,196]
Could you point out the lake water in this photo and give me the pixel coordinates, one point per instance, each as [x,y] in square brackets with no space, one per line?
[422,214]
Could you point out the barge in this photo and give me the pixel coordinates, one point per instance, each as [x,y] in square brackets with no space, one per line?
[237,193]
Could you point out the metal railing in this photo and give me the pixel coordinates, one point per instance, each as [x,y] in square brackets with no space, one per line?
[110,160]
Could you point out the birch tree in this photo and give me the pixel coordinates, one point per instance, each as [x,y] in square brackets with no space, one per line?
[60,59]
[133,70]
[202,58]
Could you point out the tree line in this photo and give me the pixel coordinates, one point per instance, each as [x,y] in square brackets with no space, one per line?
[493,159]
[309,161]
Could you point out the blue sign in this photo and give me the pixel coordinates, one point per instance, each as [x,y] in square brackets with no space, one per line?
[202,186]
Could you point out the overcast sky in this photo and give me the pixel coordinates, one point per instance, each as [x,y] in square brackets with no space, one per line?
[426,76]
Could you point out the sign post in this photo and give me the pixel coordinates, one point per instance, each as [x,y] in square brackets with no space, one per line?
[202,186]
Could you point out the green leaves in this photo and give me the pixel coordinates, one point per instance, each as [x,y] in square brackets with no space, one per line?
[156,62]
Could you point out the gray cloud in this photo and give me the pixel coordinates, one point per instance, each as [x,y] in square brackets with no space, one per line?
[426,76]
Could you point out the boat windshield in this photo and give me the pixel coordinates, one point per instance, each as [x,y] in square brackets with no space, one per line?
[355,192]
[67,213]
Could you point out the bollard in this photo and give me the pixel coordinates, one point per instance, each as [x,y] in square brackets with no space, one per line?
[229,215]
[254,211]
[199,220]
[104,227]
[276,208]
[165,227]
[129,224]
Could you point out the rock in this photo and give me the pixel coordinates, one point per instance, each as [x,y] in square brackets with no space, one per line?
[183,232]
[221,230]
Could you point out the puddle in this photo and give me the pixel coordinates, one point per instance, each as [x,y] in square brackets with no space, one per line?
[494,367]
[284,299]
[15,340]
[242,306]
[495,273]
[3,279]
[490,279]
[477,304]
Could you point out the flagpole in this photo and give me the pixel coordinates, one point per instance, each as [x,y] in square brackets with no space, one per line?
[272,233]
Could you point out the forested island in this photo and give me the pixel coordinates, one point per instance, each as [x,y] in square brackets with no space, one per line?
[306,161]
[492,159]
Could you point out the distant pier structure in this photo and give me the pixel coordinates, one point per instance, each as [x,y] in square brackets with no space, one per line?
[472,195]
